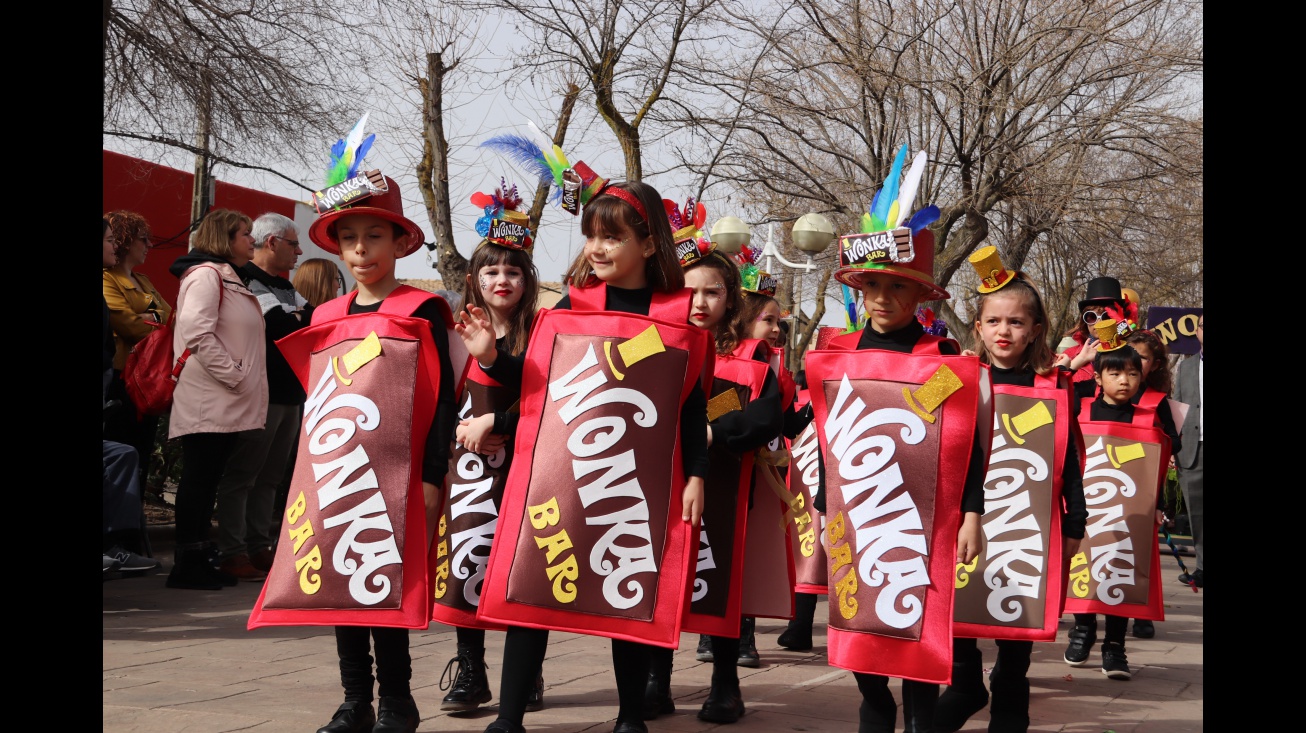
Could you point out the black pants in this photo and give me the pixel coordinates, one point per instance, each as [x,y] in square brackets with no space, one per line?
[394,666]
[1115,626]
[523,654]
[1009,683]
[470,639]
[879,713]
[121,426]
[204,457]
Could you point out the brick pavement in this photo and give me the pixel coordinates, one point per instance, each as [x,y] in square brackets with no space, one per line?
[179,660]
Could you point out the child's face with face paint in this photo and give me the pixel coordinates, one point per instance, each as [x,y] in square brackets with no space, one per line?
[890,300]
[502,286]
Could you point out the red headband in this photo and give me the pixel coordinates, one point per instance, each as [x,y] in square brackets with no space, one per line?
[626,196]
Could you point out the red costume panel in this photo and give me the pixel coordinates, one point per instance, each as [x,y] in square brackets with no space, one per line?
[896,431]
[354,541]
[807,535]
[1118,568]
[590,538]
[473,492]
[1013,589]
[716,596]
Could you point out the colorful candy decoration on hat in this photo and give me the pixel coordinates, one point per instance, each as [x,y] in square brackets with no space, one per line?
[344,185]
[501,223]
[692,243]
[884,243]
[574,184]
[1126,318]
[754,279]
[932,324]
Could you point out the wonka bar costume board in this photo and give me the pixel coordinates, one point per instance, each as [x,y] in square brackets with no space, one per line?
[896,432]
[1118,568]
[590,537]
[353,540]
[807,535]
[769,573]
[717,594]
[473,492]
[1014,588]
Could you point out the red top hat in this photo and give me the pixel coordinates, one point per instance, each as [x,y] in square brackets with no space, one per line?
[388,206]
[919,269]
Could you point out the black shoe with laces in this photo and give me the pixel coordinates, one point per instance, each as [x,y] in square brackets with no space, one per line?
[704,651]
[1082,639]
[748,656]
[535,702]
[1114,662]
[796,639]
[471,687]
[724,704]
[396,715]
[352,717]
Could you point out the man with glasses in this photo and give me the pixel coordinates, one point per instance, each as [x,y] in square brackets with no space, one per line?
[246,495]
[1188,389]
[1101,292]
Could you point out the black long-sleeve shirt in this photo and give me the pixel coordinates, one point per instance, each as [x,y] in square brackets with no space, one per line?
[1075,512]
[1164,417]
[693,415]
[505,423]
[901,341]
[439,440]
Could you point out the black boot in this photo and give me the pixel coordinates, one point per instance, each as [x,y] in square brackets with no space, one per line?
[724,703]
[535,702]
[1009,711]
[748,644]
[966,695]
[352,717]
[397,715]
[919,700]
[704,651]
[657,694]
[797,636]
[471,687]
[191,569]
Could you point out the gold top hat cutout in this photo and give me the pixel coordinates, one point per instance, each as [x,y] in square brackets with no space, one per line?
[988,265]
[635,350]
[1108,336]
[1027,421]
[939,387]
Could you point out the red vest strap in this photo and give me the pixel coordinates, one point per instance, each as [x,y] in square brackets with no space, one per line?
[672,306]
[845,341]
[588,299]
[1151,399]
[1085,409]
[751,348]
[405,300]
[1046,381]
[931,344]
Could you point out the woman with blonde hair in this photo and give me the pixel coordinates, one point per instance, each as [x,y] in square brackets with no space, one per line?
[222,391]
[318,280]
[135,309]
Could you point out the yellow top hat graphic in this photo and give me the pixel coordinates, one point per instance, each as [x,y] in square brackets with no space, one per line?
[993,276]
[635,350]
[927,397]
[1027,421]
[1108,336]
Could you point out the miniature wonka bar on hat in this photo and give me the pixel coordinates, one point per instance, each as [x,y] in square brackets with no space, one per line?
[692,243]
[752,278]
[885,244]
[501,223]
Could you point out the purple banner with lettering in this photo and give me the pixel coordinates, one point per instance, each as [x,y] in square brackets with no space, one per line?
[1176,327]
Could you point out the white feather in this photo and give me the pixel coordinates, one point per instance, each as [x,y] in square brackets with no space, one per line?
[355,137]
[544,141]
[907,195]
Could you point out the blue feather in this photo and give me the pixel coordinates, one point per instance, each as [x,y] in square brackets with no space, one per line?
[890,189]
[923,218]
[875,201]
[337,151]
[363,147]
[524,152]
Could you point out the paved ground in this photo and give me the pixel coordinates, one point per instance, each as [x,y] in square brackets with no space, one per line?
[179,660]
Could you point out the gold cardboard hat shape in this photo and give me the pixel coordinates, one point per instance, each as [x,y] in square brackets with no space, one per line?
[726,402]
[635,350]
[1108,335]
[939,387]
[366,350]
[1124,454]
[988,265]
[1026,422]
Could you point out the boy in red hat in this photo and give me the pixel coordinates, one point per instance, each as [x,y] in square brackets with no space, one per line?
[378,427]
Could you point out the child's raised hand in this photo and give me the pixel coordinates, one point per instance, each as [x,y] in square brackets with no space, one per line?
[474,433]
[477,333]
[1085,355]
[968,352]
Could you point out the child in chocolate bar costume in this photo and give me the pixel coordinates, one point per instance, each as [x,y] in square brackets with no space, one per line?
[892,292]
[370,237]
[503,287]
[1011,334]
[628,246]
[717,307]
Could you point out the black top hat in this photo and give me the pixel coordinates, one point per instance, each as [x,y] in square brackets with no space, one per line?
[1102,291]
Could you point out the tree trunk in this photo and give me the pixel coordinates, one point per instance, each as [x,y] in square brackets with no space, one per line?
[559,137]
[813,323]
[433,176]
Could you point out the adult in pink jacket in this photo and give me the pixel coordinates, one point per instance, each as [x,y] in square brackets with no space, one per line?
[222,391]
